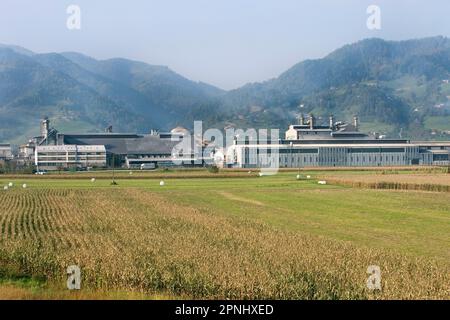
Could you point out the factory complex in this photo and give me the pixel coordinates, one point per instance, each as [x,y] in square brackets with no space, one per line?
[306,144]
[337,144]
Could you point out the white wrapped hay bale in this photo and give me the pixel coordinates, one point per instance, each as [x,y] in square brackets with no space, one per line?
[322,182]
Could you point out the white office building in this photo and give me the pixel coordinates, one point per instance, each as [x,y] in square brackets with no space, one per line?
[52,157]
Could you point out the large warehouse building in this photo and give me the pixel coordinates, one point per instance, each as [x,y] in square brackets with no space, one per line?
[335,145]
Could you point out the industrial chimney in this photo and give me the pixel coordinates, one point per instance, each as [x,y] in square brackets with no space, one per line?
[311,121]
[356,123]
[301,120]
[331,122]
[45,127]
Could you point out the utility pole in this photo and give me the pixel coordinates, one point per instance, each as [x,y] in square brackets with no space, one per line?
[291,144]
[113,182]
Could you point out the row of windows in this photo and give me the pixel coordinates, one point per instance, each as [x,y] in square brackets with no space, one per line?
[145,156]
[281,151]
[48,158]
[376,150]
[380,158]
[353,159]
[71,155]
[254,160]
[440,157]
[57,164]
[327,150]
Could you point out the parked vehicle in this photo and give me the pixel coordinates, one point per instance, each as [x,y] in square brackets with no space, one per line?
[148,166]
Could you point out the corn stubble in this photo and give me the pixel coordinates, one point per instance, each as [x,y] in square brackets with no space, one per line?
[137,240]
[421,182]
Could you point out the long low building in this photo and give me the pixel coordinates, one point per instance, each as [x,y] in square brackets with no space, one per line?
[339,144]
[339,155]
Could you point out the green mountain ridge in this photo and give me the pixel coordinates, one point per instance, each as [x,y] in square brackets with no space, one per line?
[396,87]
[397,83]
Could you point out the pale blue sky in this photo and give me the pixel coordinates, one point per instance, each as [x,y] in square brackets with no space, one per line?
[223,42]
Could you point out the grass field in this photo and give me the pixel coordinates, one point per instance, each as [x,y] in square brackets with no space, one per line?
[229,235]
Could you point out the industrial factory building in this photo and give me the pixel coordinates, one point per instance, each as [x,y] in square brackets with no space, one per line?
[307,144]
[54,150]
[337,144]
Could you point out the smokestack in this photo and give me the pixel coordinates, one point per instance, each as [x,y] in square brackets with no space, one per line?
[331,122]
[301,120]
[45,127]
[356,123]
[311,121]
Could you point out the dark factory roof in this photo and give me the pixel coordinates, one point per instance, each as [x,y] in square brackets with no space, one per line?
[150,145]
[126,144]
[352,134]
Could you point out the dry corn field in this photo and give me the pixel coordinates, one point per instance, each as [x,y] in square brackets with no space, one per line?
[140,240]
[426,182]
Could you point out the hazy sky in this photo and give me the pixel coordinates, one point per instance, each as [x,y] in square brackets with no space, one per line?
[223,42]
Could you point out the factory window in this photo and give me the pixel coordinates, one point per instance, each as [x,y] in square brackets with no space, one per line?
[375,150]
[392,149]
[440,157]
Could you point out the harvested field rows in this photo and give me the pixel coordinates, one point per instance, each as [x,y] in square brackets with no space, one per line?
[139,240]
[425,182]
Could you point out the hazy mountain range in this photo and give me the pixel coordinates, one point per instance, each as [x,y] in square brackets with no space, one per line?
[397,88]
